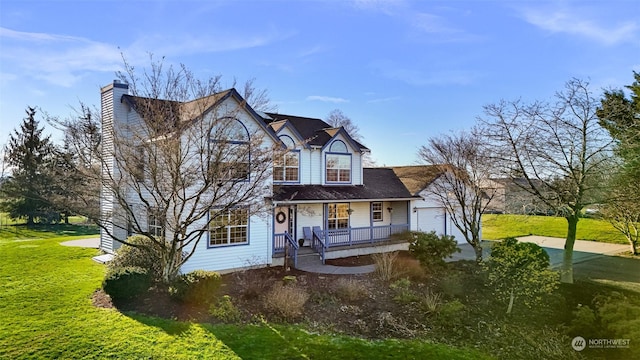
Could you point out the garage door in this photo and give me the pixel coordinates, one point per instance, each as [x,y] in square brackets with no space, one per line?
[433,219]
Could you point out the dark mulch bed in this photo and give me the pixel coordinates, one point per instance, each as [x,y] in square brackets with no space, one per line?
[351,261]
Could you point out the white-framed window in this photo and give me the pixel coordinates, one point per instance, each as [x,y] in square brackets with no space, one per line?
[155,223]
[286,167]
[376,211]
[338,163]
[230,227]
[338,168]
[338,215]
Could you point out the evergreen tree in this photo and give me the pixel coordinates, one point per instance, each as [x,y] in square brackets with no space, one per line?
[25,193]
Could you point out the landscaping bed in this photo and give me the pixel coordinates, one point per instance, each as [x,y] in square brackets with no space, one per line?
[454,307]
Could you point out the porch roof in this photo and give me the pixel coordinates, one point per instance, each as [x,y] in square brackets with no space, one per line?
[379,184]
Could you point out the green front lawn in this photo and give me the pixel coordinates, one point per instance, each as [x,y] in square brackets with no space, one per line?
[46,312]
[495,227]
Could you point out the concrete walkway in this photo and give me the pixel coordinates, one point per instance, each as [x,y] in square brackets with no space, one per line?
[319,268]
[312,263]
[93,243]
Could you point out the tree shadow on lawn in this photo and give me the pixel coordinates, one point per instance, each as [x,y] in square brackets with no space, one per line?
[52,230]
[171,327]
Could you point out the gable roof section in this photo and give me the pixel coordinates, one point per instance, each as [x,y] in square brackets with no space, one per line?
[314,132]
[417,178]
[180,112]
[280,125]
[379,184]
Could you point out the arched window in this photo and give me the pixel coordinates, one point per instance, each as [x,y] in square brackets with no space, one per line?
[286,165]
[338,163]
[338,146]
[230,150]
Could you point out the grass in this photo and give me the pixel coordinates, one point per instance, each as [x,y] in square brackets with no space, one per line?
[46,312]
[496,227]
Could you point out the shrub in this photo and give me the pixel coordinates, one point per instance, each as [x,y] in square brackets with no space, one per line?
[583,322]
[197,287]
[350,289]
[520,270]
[146,255]
[431,249]
[386,265]
[404,294]
[286,302]
[224,310]
[451,311]
[126,283]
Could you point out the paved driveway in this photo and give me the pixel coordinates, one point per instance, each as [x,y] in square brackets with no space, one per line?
[591,259]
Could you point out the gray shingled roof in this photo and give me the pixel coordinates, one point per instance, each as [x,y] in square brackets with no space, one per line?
[379,183]
[315,131]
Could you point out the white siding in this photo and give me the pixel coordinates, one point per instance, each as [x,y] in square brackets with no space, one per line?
[112,113]
[431,216]
[256,253]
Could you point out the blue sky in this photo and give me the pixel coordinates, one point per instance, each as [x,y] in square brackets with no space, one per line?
[401,70]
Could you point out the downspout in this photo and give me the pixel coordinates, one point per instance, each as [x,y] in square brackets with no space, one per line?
[445,222]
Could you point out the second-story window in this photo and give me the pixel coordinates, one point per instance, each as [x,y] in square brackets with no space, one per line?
[286,165]
[230,157]
[338,163]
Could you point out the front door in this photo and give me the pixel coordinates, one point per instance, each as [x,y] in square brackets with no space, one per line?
[285,220]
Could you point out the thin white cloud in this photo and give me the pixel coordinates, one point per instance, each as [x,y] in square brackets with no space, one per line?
[64,60]
[388,7]
[421,21]
[381,100]
[330,99]
[311,51]
[574,23]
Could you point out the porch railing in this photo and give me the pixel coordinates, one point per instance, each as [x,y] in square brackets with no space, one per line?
[362,235]
[317,242]
[321,240]
[281,241]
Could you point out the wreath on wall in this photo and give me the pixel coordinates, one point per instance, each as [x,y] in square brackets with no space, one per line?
[281,217]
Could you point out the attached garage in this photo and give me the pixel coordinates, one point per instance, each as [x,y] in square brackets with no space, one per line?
[429,219]
[427,213]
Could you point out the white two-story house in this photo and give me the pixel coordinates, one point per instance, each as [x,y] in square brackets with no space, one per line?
[319,197]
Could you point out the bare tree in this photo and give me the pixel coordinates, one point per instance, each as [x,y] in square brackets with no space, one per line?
[459,188]
[74,192]
[337,118]
[622,208]
[559,150]
[183,163]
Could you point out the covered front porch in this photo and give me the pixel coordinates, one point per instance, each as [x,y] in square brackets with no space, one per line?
[326,228]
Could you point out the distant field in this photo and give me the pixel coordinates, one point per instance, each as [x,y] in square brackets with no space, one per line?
[496,227]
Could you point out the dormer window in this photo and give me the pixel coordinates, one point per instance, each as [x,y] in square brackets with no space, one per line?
[338,163]
[286,166]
